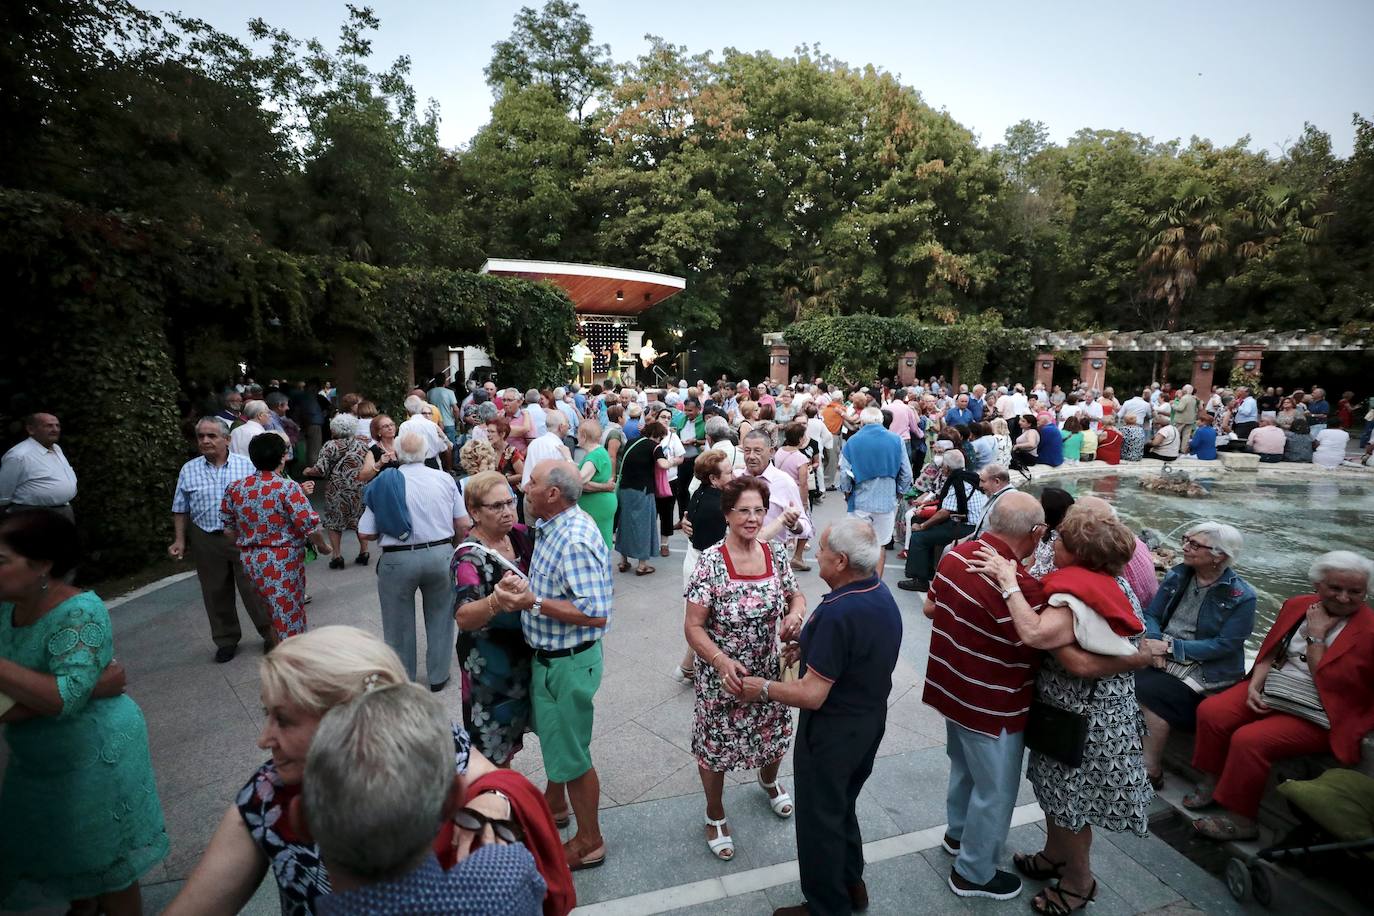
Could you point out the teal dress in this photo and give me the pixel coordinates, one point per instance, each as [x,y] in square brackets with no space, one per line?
[79,804]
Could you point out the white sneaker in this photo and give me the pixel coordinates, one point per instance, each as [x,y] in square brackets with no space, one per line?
[681,675]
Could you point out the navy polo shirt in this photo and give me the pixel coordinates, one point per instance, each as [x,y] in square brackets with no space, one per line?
[852,640]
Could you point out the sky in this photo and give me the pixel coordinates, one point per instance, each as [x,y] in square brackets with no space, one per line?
[1165,69]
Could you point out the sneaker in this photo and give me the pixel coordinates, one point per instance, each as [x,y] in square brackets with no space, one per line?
[682,675]
[1003,886]
[950,845]
[225,653]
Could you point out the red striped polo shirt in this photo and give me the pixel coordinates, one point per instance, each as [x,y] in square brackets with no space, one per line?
[979,675]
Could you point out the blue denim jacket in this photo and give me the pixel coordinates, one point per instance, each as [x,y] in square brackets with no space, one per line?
[1224,622]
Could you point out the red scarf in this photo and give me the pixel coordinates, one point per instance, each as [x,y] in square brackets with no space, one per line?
[1100,592]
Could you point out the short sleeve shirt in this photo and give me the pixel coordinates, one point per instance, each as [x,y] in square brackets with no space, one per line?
[852,640]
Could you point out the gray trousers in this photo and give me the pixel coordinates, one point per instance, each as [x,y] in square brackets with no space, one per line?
[832,463]
[399,574]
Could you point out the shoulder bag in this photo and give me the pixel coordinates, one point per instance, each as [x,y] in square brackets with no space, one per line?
[1058,733]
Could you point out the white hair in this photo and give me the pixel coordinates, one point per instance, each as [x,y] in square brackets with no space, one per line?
[220,426]
[635,409]
[555,420]
[343,426]
[1341,561]
[254,409]
[1226,539]
[410,448]
[954,459]
[559,393]
[377,776]
[870,415]
[566,478]
[854,537]
[414,404]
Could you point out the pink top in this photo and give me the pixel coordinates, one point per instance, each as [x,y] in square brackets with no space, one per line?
[789,461]
[1140,574]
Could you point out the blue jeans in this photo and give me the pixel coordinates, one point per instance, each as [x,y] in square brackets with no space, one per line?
[984,774]
[399,574]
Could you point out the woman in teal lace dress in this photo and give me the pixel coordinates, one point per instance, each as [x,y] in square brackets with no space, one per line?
[79,807]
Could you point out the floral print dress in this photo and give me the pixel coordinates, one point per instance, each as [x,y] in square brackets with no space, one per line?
[744,611]
[339,463]
[495,659]
[273,518]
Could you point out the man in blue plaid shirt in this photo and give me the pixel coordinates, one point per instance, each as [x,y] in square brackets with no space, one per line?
[566,607]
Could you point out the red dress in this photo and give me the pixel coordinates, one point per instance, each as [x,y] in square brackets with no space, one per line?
[273,518]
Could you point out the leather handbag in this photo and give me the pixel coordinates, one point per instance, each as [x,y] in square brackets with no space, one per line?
[1058,733]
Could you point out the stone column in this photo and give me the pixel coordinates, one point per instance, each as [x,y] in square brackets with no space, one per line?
[779,364]
[906,369]
[1250,357]
[1204,369]
[1093,371]
[1044,370]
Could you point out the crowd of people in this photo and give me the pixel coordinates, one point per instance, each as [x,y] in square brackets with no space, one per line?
[511,514]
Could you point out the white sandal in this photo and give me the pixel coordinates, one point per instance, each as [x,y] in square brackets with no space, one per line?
[723,846]
[777,802]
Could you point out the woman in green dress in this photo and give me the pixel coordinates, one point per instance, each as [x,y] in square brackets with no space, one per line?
[598,490]
[79,807]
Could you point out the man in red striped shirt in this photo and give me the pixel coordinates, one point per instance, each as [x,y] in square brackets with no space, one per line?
[981,678]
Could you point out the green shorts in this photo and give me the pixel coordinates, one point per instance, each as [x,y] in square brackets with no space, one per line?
[561,694]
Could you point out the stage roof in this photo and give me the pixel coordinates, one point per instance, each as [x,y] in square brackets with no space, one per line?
[594,289]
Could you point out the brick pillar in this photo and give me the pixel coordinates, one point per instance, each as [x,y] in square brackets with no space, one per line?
[779,364]
[1204,369]
[1044,370]
[1093,371]
[906,369]
[1249,354]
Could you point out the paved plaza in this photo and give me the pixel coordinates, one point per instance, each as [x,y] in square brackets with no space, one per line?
[203,721]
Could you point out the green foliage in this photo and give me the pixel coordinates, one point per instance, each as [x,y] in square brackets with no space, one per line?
[552,48]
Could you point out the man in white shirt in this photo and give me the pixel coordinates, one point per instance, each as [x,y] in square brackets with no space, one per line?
[35,473]
[258,416]
[419,423]
[757,448]
[548,445]
[1139,407]
[420,561]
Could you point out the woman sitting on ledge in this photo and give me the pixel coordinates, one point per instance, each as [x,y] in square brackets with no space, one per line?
[1311,691]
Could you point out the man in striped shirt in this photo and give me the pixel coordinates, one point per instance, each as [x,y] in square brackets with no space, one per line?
[981,678]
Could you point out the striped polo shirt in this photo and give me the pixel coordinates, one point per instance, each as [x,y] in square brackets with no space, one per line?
[979,675]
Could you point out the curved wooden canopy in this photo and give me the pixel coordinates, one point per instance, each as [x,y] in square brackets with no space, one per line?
[594,289]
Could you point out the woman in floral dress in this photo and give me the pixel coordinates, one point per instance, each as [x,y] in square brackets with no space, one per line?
[491,646]
[740,593]
[270,518]
[341,458]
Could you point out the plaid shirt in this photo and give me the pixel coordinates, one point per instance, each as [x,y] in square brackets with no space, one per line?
[570,562]
[201,486]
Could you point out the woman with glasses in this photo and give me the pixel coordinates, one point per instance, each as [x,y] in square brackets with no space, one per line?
[491,646]
[742,597]
[1195,628]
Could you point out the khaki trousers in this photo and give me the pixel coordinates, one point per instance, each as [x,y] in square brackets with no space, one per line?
[220,570]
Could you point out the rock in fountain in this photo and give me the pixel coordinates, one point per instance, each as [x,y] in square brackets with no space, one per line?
[1177,482]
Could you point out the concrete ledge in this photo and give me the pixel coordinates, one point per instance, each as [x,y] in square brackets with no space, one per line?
[1239,461]
[1202,470]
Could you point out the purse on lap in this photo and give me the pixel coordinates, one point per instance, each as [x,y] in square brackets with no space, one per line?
[1058,733]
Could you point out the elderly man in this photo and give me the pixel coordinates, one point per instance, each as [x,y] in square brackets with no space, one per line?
[257,417]
[566,607]
[199,491]
[418,514]
[546,447]
[961,508]
[1185,411]
[377,845]
[994,480]
[231,407]
[757,450]
[431,434]
[563,400]
[1267,440]
[848,652]
[874,469]
[35,473]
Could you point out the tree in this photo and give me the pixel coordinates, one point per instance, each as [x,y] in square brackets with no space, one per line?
[552,48]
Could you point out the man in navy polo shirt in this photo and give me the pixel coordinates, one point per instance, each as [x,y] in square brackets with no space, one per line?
[848,650]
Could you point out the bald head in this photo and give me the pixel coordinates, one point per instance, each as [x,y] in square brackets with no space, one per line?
[1095,506]
[1016,519]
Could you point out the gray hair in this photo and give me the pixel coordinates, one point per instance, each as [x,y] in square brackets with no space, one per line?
[254,409]
[1341,561]
[870,415]
[998,472]
[486,411]
[718,429]
[377,777]
[568,481]
[854,537]
[555,420]
[1006,518]
[1226,539]
[414,404]
[954,459]
[635,409]
[343,426]
[759,435]
[276,398]
[410,448]
[532,396]
[220,426]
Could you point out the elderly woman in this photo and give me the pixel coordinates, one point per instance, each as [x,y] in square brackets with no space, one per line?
[1108,440]
[510,462]
[1287,413]
[637,537]
[742,597]
[1091,608]
[747,418]
[793,461]
[1002,444]
[721,437]
[613,436]
[1025,452]
[598,488]
[1297,442]
[381,454]
[302,679]
[1072,435]
[339,463]
[491,646]
[79,806]
[1310,691]
[365,411]
[1132,438]
[269,517]
[1195,629]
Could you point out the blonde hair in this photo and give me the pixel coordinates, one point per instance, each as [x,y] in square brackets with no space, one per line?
[479,486]
[589,432]
[477,456]
[1000,428]
[326,667]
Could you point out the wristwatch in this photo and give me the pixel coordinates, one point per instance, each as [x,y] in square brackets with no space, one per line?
[1007,593]
[763,692]
[1312,640]
[536,607]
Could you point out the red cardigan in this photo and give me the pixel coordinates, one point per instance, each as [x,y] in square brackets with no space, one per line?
[1345,676]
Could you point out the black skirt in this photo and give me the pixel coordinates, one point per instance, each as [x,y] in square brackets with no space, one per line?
[1168,697]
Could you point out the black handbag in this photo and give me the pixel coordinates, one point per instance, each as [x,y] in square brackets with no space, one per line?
[1058,733]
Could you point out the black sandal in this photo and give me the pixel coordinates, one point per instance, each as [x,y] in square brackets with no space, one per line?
[362,559]
[1025,864]
[1047,906]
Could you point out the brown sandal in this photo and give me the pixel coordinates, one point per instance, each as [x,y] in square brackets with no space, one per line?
[645,571]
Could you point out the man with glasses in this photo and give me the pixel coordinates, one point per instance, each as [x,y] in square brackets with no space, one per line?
[197,526]
[757,449]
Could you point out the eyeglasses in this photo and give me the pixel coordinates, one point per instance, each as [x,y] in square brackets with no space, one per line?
[499,507]
[1196,544]
[760,512]
[476,821]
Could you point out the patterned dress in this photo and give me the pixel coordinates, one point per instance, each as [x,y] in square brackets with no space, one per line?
[1132,443]
[728,734]
[339,463]
[495,659]
[1110,790]
[301,876]
[273,518]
